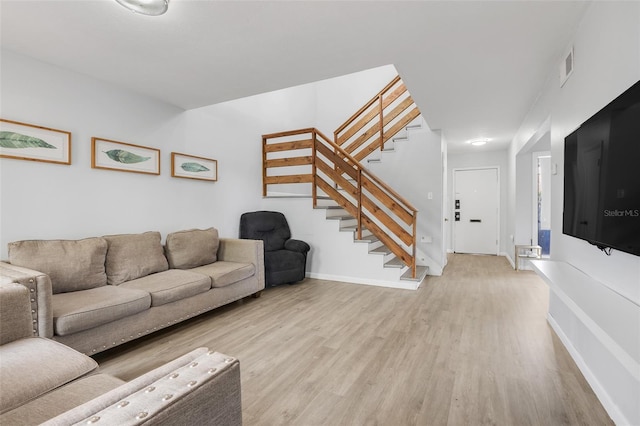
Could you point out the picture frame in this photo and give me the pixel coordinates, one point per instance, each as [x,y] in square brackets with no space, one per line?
[124,157]
[193,167]
[23,141]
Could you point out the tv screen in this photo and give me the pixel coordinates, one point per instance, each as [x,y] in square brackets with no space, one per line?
[602,176]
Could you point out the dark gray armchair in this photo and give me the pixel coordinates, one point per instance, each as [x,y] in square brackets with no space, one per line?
[285,259]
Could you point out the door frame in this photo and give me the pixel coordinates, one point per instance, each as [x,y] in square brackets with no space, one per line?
[534,193]
[453,197]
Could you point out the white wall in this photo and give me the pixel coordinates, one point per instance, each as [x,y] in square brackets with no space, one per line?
[352,91]
[607,61]
[51,201]
[524,201]
[479,160]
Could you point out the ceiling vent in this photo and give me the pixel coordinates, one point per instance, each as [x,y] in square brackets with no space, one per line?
[566,66]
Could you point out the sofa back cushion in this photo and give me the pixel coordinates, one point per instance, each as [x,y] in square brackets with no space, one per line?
[71,265]
[191,248]
[132,256]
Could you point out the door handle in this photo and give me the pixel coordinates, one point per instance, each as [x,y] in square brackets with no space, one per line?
[475,220]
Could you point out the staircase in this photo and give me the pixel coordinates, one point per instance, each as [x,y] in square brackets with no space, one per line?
[390,147]
[333,174]
[348,223]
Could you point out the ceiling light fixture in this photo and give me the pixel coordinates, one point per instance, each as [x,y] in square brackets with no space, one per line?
[146,7]
[479,142]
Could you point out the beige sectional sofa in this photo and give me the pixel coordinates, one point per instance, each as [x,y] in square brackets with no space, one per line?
[43,381]
[97,293]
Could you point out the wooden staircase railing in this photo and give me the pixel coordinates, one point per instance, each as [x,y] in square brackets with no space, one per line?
[307,156]
[377,121]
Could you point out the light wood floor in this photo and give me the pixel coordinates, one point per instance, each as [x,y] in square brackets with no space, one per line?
[472,347]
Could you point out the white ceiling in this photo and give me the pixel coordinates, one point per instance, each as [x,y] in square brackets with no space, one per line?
[474,68]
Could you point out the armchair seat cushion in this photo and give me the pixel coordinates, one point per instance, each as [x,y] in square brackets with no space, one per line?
[25,376]
[61,400]
[82,310]
[169,286]
[224,273]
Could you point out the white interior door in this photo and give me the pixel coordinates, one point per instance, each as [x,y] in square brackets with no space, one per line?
[476,211]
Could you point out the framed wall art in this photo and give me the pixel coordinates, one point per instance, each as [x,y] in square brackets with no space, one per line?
[192,167]
[124,157]
[24,141]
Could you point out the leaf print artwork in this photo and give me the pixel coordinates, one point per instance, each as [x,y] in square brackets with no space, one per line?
[194,167]
[20,141]
[126,157]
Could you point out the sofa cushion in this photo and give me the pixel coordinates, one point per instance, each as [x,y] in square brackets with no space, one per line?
[82,310]
[224,273]
[71,265]
[132,256]
[171,285]
[24,375]
[61,400]
[191,248]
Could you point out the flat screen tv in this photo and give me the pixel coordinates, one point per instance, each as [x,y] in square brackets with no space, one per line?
[602,177]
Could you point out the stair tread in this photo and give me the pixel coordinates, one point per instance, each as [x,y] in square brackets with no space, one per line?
[421,272]
[328,207]
[287,196]
[396,262]
[340,217]
[380,250]
[368,239]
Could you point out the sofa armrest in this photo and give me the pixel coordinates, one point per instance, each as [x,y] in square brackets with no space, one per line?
[244,251]
[15,312]
[202,387]
[40,292]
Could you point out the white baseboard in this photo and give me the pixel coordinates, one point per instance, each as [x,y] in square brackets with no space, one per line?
[513,265]
[404,285]
[610,407]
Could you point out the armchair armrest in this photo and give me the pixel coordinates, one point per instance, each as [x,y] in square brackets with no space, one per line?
[201,387]
[40,292]
[297,245]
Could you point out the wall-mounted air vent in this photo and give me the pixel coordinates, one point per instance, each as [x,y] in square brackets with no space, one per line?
[566,66]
